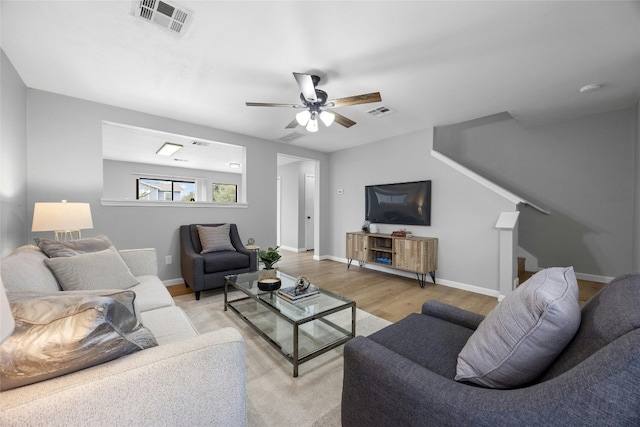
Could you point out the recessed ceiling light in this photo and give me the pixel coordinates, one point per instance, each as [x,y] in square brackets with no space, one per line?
[234,165]
[589,88]
[168,149]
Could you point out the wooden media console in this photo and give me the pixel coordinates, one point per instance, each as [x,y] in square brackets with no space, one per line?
[415,254]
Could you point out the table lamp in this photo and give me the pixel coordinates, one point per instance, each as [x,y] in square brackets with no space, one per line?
[64,219]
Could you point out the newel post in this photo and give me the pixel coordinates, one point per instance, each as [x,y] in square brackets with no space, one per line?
[508,262]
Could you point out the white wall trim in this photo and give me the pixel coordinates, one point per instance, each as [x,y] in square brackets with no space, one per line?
[440,281]
[287,248]
[514,198]
[169,204]
[172,282]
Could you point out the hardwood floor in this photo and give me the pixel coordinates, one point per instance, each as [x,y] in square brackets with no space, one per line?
[384,295]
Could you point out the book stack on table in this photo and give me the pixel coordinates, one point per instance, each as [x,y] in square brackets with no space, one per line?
[290,294]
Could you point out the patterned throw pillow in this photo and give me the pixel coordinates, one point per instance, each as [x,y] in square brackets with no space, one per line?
[55,248]
[215,239]
[523,335]
[56,334]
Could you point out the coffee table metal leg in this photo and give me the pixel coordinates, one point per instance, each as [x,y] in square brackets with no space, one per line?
[225,295]
[295,350]
[353,321]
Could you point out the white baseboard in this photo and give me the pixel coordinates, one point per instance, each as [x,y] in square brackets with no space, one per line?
[439,280]
[171,282]
[594,278]
[590,277]
[287,248]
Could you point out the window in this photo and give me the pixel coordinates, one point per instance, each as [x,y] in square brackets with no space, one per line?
[226,193]
[165,189]
[133,172]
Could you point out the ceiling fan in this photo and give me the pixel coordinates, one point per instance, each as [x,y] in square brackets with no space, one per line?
[315,104]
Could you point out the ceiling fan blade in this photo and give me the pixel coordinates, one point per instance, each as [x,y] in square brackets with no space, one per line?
[271,104]
[355,100]
[292,125]
[307,87]
[342,120]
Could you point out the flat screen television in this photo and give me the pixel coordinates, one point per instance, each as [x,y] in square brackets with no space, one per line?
[407,203]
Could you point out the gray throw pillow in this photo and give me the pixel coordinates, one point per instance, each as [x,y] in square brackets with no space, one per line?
[59,334]
[215,239]
[55,248]
[95,270]
[523,335]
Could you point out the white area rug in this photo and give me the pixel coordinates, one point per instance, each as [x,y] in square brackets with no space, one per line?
[274,397]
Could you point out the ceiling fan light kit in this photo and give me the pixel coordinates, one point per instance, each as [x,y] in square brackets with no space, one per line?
[315,103]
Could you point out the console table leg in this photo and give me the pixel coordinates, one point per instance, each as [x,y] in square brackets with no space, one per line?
[433,276]
[349,263]
[422,279]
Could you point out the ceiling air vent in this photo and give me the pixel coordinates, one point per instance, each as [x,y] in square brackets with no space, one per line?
[166,15]
[380,111]
[291,137]
[200,143]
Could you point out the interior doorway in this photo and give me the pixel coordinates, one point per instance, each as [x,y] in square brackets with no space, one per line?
[309,205]
[297,207]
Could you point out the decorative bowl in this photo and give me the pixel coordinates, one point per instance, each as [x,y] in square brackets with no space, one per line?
[269,283]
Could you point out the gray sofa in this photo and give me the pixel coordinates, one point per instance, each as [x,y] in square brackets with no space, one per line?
[404,374]
[149,387]
[207,271]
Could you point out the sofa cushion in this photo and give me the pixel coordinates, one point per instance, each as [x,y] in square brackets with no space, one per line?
[168,324]
[610,314]
[522,336]
[151,293]
[62,333]
[225,261]
[215,239]
[55,248]
[24,270]
[94,270]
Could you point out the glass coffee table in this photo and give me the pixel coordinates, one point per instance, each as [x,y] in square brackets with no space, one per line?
[300,331]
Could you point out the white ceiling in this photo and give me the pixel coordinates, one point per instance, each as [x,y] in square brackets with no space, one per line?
[435,63]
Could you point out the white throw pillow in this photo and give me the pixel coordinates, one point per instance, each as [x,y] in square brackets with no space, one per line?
[94,270]
[214,239]
[523,335]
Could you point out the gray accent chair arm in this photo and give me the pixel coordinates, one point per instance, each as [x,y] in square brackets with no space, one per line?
[237,243]
[191,262]
[452,314]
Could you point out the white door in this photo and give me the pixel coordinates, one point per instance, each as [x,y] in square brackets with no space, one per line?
[278,197]
[309,197]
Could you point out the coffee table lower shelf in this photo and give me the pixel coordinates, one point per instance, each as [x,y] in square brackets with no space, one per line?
[298,341]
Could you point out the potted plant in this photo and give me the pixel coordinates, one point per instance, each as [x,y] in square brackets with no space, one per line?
[269,257]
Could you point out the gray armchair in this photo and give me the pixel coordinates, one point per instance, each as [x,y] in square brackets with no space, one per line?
[207,271]
[403,374]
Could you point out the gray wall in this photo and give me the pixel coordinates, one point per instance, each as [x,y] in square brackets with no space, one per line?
[463,212]
[64,149]
[636,192]
[581,170]
[13,158]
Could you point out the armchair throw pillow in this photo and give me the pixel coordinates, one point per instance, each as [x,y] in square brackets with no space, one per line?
[214,239]
[94,270]
[56,334]
[523,335]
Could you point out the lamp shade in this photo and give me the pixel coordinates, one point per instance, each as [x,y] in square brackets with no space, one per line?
[61,216]
[6,318]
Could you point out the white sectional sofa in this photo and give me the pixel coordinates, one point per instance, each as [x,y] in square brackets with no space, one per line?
[188,379]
